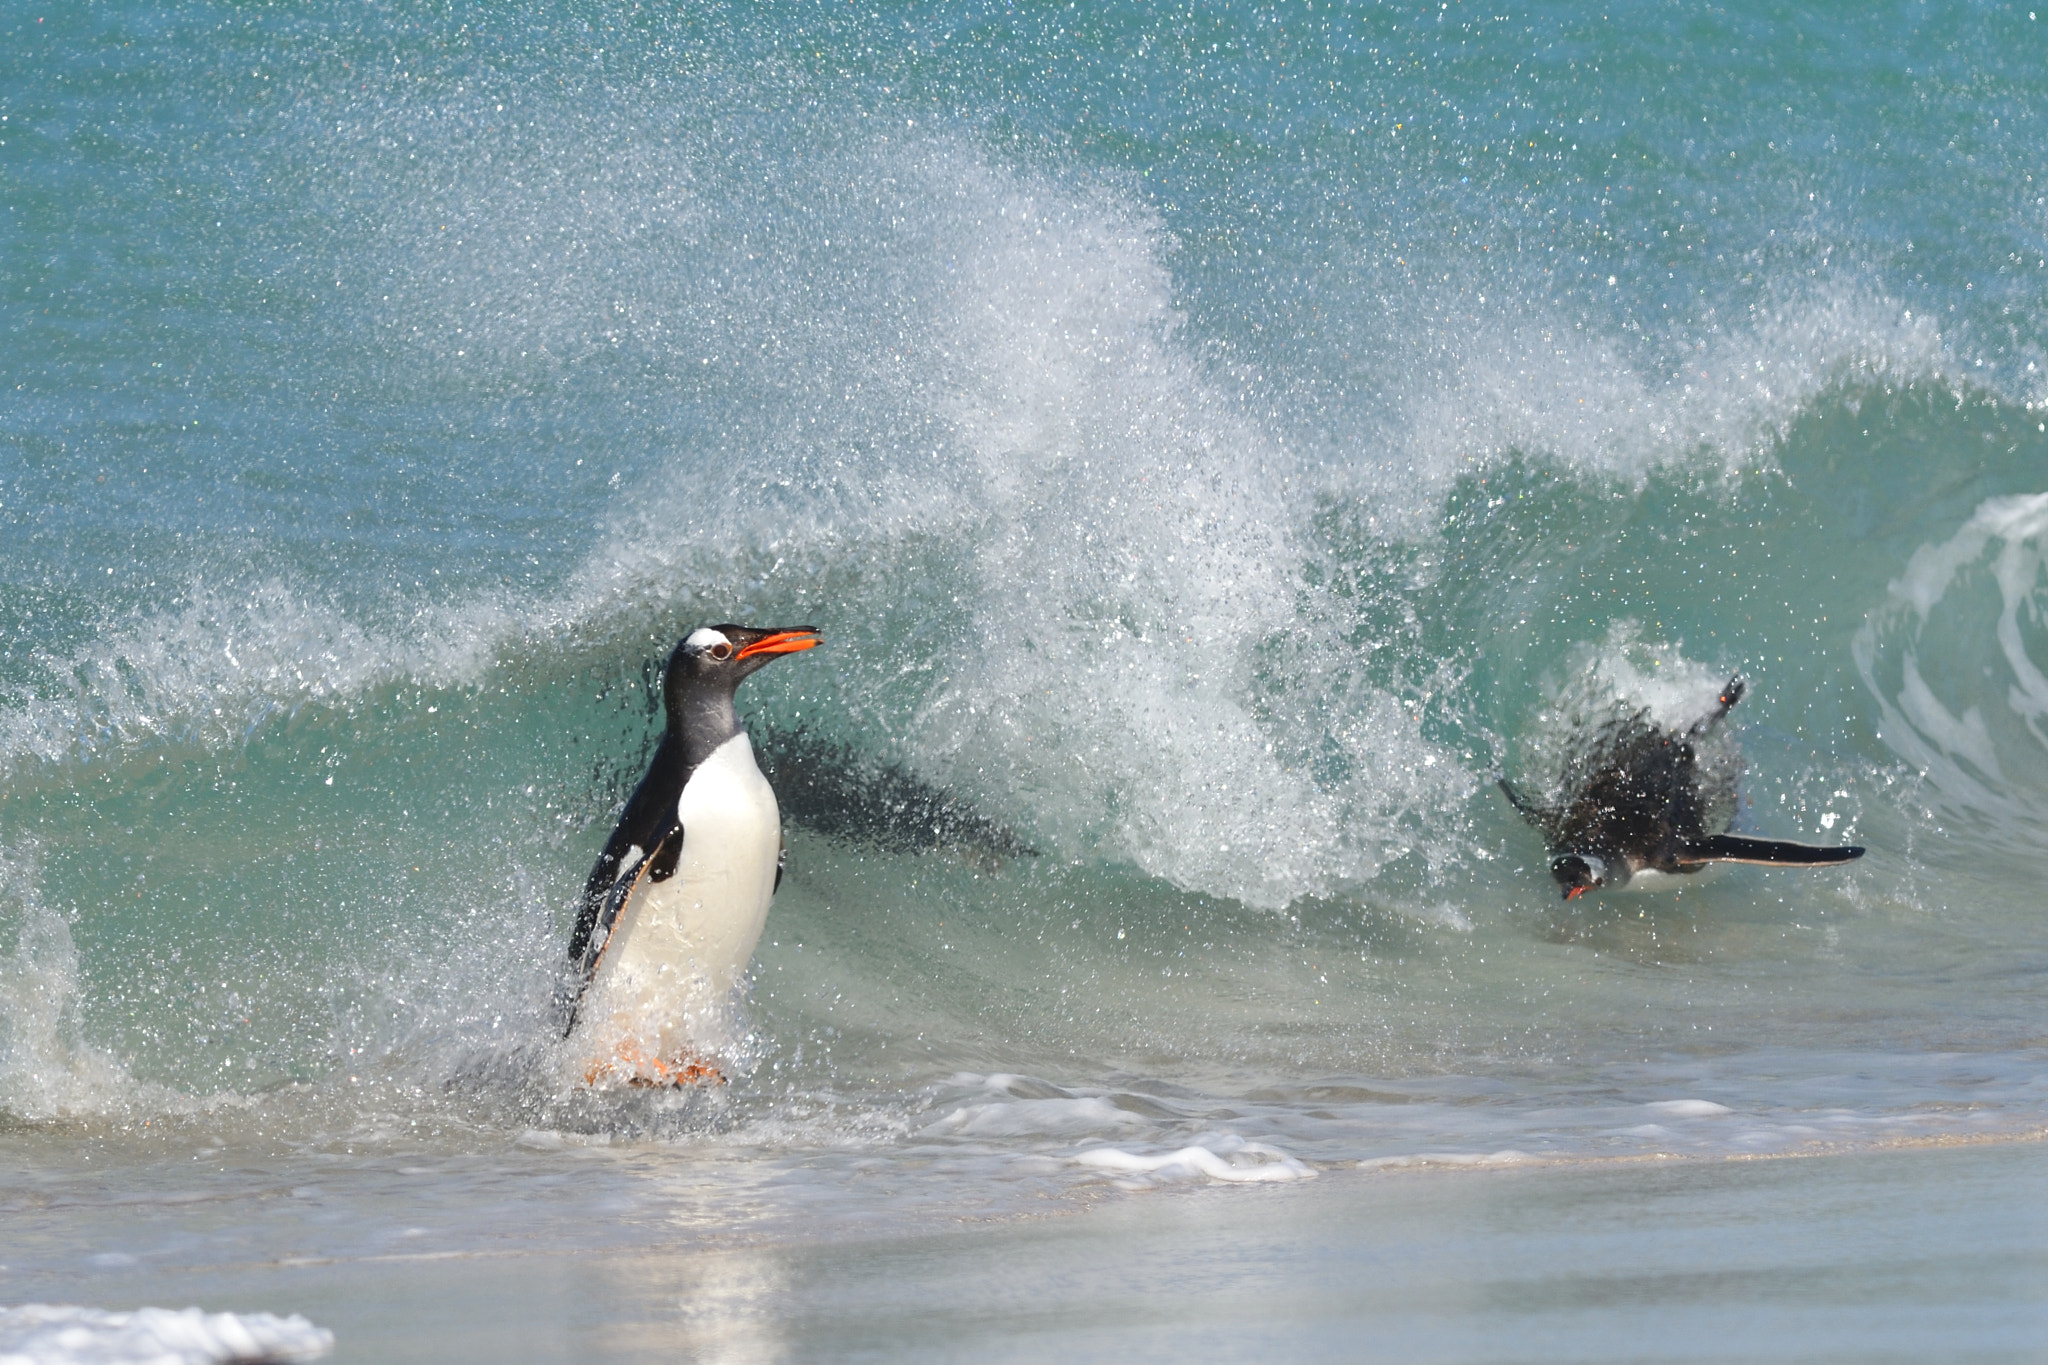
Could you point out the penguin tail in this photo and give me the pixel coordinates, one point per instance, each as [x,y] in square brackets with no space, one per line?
[1733,848]
[1723,703]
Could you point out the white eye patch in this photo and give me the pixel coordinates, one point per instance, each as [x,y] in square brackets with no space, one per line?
[704,638]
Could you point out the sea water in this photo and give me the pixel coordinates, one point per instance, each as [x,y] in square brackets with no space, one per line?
[1215,442]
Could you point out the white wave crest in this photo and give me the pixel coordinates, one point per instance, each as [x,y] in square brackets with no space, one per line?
[1482,381]
[212,672]
[1000,390]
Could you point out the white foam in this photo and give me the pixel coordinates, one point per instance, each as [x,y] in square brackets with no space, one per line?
[1689,1109]
[42,1334]
[1053,1117]
[1228,1159]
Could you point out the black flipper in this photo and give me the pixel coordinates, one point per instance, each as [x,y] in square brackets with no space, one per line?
[658,867]
[646,824]
[1733,848]
[1528,810]
[649,815]
[781,857]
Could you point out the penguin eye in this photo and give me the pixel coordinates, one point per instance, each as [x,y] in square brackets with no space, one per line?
[721,651]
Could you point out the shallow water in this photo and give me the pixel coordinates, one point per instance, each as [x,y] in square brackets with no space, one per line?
[1214,445]
[1892,1255]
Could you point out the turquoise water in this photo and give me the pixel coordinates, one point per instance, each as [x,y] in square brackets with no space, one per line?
[1214,442]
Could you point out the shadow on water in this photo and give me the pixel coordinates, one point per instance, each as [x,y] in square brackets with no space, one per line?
[831,788]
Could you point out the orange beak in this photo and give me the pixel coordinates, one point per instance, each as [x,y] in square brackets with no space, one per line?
[784,642]
[1575,893]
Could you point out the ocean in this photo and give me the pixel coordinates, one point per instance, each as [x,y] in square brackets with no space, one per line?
[1216,442]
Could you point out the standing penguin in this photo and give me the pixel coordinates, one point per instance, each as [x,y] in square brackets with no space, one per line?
[1634,798]
[675,904]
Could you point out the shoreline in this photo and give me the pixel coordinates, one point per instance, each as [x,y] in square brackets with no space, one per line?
[1452,1269]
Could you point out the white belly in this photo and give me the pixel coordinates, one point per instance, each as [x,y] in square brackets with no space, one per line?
[661,997]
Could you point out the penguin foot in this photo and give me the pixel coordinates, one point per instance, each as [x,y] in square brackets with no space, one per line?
[649,1073]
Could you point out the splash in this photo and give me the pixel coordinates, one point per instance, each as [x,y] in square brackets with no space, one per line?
[1621,675]
[1020,436]
[47,1071]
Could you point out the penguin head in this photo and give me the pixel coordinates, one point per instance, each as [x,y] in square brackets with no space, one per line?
[720,656]
[1579,873]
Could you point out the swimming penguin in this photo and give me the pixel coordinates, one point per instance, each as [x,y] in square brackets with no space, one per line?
[675,904]
[1636,799]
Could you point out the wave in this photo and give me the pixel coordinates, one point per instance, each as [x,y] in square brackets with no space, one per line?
[213,673]
[960,411]
[1953,661]
[1595,392]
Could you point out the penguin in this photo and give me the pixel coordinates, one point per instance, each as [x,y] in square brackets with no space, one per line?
[675,903]
[1635,800]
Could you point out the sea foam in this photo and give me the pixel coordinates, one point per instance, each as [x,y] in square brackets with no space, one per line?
[1227,1159]
[43,1334]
